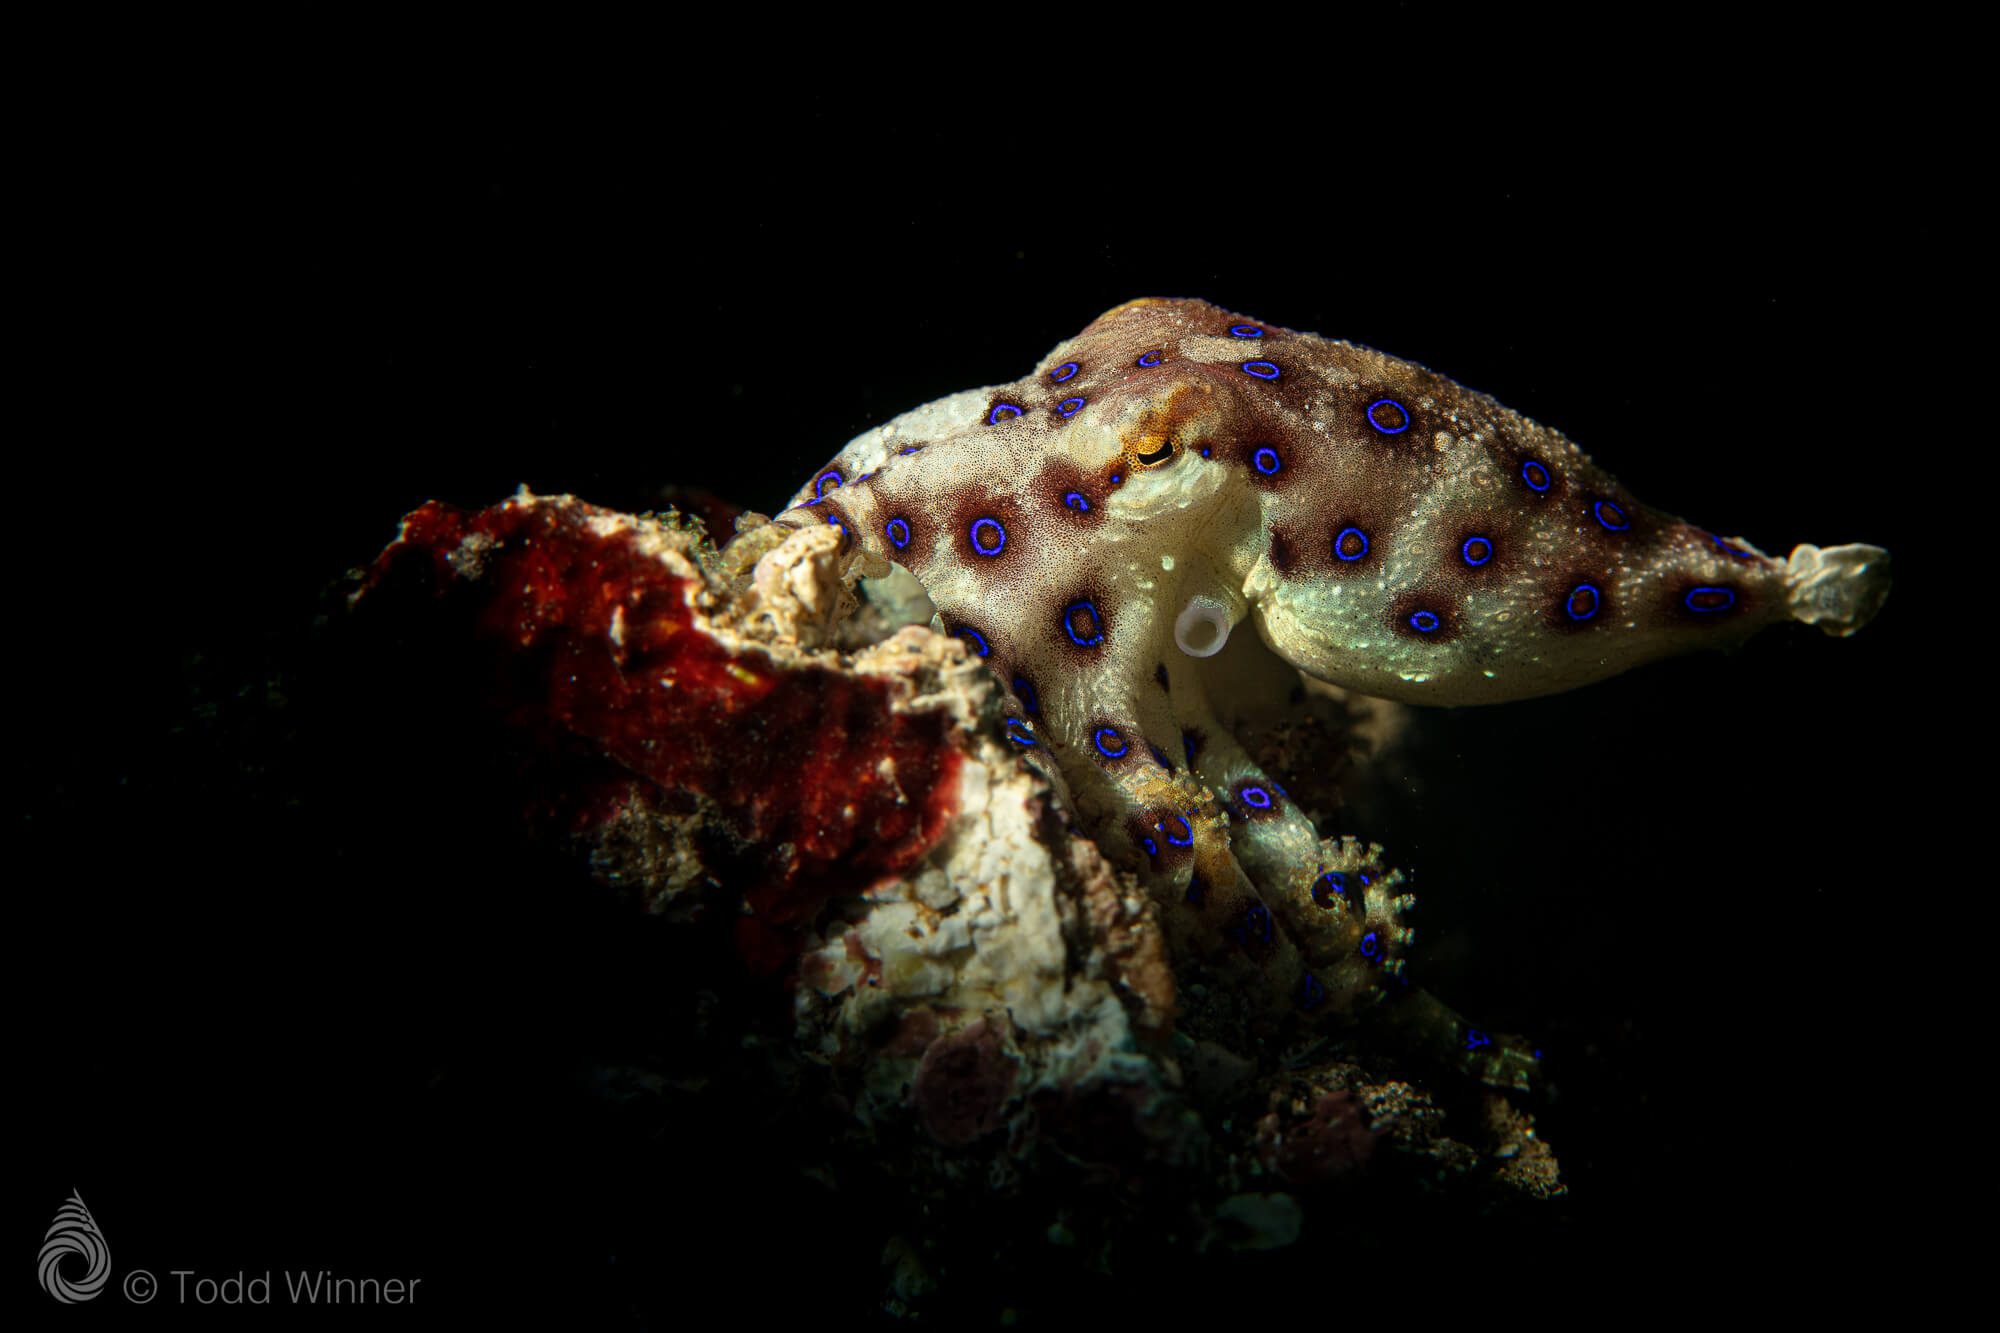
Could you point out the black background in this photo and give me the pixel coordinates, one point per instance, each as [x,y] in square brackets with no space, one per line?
[300,994]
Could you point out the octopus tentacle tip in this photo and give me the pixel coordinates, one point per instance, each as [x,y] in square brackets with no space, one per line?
[1838,588]
[1202,628]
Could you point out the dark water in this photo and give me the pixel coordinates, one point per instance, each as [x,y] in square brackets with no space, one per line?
[308,999]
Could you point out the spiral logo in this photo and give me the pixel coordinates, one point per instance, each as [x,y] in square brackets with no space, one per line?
[73,1232]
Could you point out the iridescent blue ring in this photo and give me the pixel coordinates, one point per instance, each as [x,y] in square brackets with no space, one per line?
[1245,331]
[1266,460]
[1389,430]
[1196,890]
[898,532]
[1611,516]
[1732,549]
[1728,596]
[1067,407]
[1263,370]
[995,543]
[1536,475]
[1152,848]
[1329,882]
[1340,543]
[1024,690]
[1311,993]
[1424,622]
[1063,371]
[1078,501]
[1588,591]
[1096,634]
[1257,922]
[909,449]
[1255,797]
[1109,743]
[1017,732]
[1151,359]
[976,639]
[1475,1039]
[1371,945]
[1002,412]
[820,482]
[1186,828]
[1479,557]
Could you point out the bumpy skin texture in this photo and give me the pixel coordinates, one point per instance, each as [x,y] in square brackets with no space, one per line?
[1100,530]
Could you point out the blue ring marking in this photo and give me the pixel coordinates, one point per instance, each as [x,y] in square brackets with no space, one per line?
[1533,469]
[1424,622]
[1152,848]
[898,532]
[1281,791]
[1257,922]
[1017,732]
[909,449]
[1569,602]
[1158,757]
[1186,828]
[1475,1039]
[1003,412]
[1255,797]
[1387,430]
[1150,359]
[1329,882]
[1063,371]
[1340,543]
[1366,879]
[1311,993]
[1096,634]
[1371,945]
[1196,890]
[1245,331]
[1479,557]
[975,638]
[819,482]
[834,519]
[1187,744]
[810,503]
[1078,501]
[1615,520]
[1266,461]
[1067,408]
[1117,477]
[1205,451]
[993,545]
[1728,596]
[1263,370]
[1024,690]
[1097,738]
[1731,548]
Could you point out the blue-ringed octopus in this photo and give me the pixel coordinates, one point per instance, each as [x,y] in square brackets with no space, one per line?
[1100,532]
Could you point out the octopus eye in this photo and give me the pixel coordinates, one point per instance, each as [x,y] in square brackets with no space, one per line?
[1582,602]
[1476,551]
[1151,359]
[1163,454]
[1351,544]
[1611,516]
[1063,371]
[1388,416]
